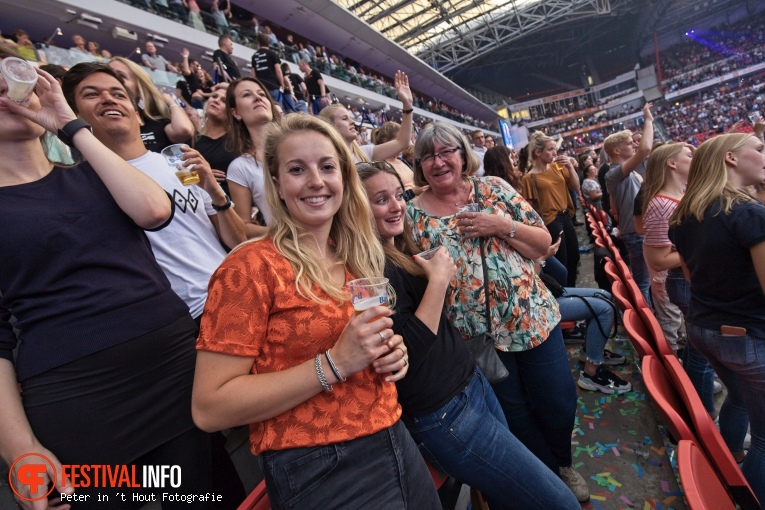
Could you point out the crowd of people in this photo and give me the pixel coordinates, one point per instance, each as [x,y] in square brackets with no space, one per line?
[713,52]
[243,27]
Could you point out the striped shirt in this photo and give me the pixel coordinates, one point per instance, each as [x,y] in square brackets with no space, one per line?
[656,221]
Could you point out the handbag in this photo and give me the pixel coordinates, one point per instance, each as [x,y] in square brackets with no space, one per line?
[555,288]
[482,346]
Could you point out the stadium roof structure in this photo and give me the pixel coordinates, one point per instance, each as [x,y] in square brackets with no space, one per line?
[473,40]
[447,34]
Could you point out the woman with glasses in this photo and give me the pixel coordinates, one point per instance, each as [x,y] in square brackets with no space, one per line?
[539,396]
[448,405]
[343,121]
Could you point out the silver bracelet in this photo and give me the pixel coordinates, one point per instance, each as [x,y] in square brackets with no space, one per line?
[320,374]
[334,367]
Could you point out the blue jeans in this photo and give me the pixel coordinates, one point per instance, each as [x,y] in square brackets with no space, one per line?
[696,366]
[301,106]
[572,308]
[740,363]
[634,244]
[283,100]
[539,399]
[468,438]
[383,470]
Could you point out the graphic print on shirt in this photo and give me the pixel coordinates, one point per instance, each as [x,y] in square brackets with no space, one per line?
[182,202]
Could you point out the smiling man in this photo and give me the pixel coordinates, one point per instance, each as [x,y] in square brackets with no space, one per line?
[189,249]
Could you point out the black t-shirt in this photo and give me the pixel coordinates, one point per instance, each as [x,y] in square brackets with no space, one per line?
[440,366]
[312,83]
[229,64]
[296,80]
[215,152]
[153,134]
[605,200]
[725,289]
[263,62]
[191,84]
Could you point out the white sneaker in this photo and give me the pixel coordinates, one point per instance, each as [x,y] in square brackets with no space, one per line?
[718,387]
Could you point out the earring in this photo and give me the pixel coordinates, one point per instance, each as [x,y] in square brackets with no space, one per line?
[140,103]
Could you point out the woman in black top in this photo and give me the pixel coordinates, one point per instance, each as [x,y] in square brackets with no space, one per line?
[164,121]
[448,405]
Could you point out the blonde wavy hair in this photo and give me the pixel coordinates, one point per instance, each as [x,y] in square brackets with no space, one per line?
[154,105]
[328,114]
[708,179]
[656,169]
[352,233]
[537,142]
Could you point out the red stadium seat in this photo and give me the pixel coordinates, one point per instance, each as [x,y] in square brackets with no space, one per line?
[637,333]
[671,407]
[701,486]
[634,291]
[654,328]
[612,272]
[710,438]
[620,296]
[257,500]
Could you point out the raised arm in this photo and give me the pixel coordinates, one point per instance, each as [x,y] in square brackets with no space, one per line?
[646,143]
[391,149]
[135,193]
[180,129]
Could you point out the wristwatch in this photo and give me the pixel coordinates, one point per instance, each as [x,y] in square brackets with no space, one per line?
[66,133]
[225,206]
[511,234]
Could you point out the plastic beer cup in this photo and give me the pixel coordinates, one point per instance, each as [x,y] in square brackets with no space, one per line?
[368,292]
[173,155]
[20,77]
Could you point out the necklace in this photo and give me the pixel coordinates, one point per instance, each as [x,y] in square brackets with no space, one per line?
[460,200]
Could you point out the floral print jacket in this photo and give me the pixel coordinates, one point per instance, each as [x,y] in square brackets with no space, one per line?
[523,312]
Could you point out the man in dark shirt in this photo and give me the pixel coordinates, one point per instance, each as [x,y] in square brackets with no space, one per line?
[222,56]
[317,91]
[266,66]
[299,90]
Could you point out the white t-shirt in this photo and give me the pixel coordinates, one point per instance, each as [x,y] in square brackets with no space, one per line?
[246,171]
[480,152]
[188,249]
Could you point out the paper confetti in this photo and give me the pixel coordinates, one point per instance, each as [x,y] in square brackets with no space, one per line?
[627,501]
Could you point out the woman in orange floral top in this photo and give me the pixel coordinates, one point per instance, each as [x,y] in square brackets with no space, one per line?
[281,350]
[539,397]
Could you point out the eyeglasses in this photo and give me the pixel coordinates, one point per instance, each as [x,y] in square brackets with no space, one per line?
[445,155]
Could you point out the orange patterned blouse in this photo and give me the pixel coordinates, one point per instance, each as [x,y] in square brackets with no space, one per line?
[254,310]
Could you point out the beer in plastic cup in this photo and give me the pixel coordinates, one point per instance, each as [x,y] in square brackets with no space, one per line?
[368,292]
[471,207]
[428,254]
[173,155]
[20,78]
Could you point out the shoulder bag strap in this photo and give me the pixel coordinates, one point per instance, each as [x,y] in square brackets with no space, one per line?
[481,249]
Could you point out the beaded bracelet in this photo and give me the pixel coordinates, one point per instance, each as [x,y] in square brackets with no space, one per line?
[320,374]
[334,367]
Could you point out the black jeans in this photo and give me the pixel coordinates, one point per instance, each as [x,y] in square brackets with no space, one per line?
[568,253]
